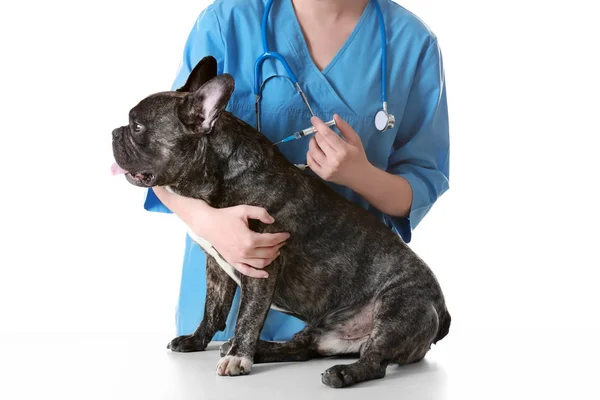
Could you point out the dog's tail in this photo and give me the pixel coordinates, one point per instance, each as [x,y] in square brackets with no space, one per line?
[443,326]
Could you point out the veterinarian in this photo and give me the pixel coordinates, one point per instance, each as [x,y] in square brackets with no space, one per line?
[334,50]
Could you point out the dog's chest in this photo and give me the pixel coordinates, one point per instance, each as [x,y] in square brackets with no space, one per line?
[225,266]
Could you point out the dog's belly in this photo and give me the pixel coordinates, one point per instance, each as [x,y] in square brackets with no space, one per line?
[350,333]
[332,344]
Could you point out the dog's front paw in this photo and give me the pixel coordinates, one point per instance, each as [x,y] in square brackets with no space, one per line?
[186,344]
[234,365]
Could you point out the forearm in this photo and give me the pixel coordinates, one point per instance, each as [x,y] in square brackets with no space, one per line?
[189,210]
[390,193]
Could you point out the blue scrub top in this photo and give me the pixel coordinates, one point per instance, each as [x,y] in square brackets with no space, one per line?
[417,148]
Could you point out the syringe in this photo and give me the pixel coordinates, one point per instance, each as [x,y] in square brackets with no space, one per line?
[303,133]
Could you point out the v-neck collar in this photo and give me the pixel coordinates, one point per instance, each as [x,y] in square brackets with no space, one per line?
[298,42]
[306,70]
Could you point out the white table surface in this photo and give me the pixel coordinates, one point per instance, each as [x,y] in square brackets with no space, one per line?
[465,365]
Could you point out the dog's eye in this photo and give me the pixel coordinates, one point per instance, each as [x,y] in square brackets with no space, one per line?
[137,127]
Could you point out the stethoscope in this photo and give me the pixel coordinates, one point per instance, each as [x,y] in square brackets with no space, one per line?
[383,119]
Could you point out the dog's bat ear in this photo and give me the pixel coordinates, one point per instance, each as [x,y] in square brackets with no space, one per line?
[200,109]
[205,70]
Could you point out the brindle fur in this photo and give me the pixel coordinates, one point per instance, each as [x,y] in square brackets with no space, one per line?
[340,261]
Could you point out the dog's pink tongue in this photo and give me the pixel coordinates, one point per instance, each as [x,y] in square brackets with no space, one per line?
[116,170]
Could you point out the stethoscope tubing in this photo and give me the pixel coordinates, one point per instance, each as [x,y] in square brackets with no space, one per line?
[292,77]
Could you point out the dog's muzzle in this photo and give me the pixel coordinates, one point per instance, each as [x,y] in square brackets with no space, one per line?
[118,133]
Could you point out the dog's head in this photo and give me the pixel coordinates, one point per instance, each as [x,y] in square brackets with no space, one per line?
[165,128]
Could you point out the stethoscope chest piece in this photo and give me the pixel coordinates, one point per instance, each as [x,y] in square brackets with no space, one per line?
[384,120]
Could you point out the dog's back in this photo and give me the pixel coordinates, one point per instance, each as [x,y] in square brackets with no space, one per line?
[339,256]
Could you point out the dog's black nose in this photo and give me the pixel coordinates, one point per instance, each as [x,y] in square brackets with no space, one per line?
[116,133]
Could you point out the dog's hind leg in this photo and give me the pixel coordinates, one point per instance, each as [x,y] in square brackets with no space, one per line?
[220,290]
[301,347]
[402,333]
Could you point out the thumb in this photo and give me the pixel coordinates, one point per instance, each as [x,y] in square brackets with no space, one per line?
[251,212]
[347,131]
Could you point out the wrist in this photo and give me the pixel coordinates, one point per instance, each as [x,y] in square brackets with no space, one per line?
[361,177]
[201,218]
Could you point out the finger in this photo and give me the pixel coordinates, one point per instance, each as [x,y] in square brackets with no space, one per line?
[324,146]
[268,239]
[313,165]
[249,271]
[260,263]
[273,259]
[262,252]
[258,213]
[316,152]
[327,134]
[257,263]
[347,131]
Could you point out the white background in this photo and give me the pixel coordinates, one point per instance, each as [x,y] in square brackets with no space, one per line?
[514,242]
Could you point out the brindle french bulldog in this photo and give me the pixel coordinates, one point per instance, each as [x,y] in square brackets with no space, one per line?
[356,284]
